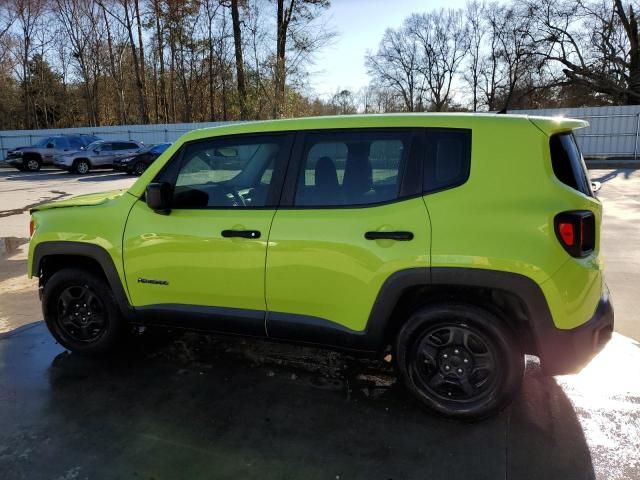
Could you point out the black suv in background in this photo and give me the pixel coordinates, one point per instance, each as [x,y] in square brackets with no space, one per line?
[138,163]
[42,153]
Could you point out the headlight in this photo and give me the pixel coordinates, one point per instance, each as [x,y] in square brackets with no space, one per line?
[126,159]
[17,153]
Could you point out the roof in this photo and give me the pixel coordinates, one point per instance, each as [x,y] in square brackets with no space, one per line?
[450,120]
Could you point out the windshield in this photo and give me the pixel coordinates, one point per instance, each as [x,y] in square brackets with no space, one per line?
[42,142]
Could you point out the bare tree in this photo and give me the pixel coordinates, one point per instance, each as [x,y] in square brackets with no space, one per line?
[395,66]
[293,24]
[476,28]
[443,42]
[28,16]
[597,44]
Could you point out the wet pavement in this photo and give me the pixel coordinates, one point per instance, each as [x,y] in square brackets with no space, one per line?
[209,407]
[200,406]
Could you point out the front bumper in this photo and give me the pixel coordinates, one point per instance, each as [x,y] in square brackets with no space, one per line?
[13,161]
[568,351]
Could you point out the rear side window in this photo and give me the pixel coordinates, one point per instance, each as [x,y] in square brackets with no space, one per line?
[352,168]
[124,146]
[568,164]
[448,159]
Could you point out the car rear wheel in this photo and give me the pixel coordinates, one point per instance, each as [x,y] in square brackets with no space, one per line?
[31,164]
[459,360]
[82,166]
[81,312]
[139,168]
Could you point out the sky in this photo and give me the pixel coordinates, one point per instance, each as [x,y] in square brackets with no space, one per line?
[360,25]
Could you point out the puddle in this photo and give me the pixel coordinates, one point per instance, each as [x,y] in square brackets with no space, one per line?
[10,245]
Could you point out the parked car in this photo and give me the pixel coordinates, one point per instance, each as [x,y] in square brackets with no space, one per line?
[454,243]
[43,152]
[100,154]
[138,163]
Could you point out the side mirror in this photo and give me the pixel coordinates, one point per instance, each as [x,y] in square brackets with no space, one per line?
[49,145]
[158,197]
[595,186]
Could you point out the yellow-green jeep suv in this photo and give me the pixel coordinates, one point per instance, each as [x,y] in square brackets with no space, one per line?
[458,243]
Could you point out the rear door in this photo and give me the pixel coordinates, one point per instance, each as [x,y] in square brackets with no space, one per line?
[103,156]
[351,216]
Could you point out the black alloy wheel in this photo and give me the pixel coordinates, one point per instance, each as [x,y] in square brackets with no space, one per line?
[81,314]
[459,360]
[139,168]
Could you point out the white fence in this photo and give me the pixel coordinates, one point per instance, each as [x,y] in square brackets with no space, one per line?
[613,131]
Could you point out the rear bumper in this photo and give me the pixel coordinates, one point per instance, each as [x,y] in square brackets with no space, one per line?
[568,351]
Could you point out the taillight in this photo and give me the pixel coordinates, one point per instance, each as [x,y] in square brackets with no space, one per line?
[576,232]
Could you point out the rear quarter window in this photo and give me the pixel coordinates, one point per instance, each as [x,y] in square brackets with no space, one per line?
[568,164]
[448,159]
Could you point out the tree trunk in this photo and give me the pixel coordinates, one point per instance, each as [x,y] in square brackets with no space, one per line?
[142,107]
[160,52]
[237,40]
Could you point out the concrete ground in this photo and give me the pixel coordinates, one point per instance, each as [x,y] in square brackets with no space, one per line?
[200,406]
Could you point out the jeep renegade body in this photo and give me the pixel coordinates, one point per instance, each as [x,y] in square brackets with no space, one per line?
[456,242]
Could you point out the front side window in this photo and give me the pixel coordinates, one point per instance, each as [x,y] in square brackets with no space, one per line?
[352,168]
[227,173]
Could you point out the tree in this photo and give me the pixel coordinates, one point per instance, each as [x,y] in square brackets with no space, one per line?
[344,103]
[293,30]
[597,45]
[395,67]
[443,43]
[476,28]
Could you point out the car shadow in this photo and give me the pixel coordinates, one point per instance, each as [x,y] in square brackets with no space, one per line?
[625,172]
[193,406]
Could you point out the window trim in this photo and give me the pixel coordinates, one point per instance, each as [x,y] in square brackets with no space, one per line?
[406,191]
[277,179]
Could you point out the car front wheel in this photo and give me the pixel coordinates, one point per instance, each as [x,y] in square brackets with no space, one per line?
[459,360]
[81,312]
[31,164]
[139,168]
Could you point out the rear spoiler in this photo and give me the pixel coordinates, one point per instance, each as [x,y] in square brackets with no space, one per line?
[551,125]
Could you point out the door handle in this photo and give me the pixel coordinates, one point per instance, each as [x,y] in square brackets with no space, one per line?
[399,236]
[241,234]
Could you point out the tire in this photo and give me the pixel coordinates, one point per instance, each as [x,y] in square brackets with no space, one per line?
[81,312]
[82,166]
[31,164]
[459,360]
[139,168]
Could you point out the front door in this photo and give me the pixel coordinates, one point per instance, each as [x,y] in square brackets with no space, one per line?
[205,259]
[357,216]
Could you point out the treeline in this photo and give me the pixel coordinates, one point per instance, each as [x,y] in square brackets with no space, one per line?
[103,62]
[494,56]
